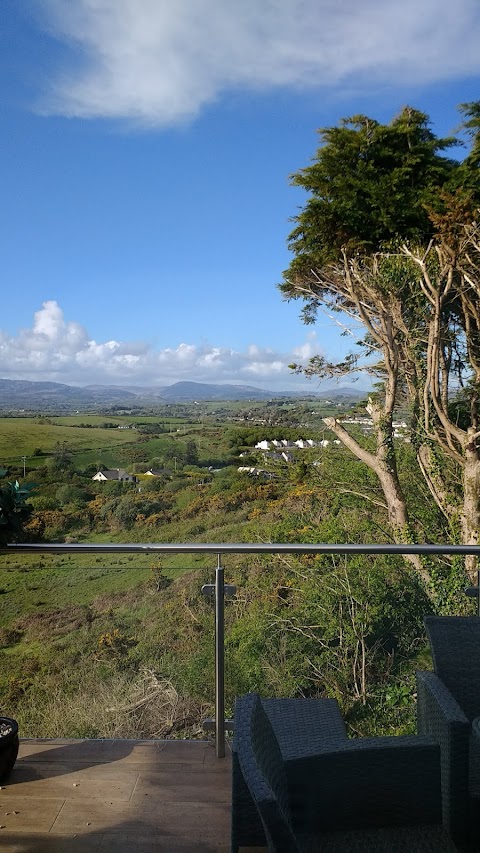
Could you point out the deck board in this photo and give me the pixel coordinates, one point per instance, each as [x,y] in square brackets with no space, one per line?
[105,796]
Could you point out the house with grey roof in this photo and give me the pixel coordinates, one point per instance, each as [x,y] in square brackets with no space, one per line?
[114,474]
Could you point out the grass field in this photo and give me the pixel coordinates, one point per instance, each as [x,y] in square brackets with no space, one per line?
[33,583]
[125,420]
[22,436]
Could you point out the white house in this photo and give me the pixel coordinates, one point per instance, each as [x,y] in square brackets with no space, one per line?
[305,442]
[114,474]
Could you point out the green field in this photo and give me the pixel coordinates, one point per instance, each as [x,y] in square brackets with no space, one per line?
[126,420]
[39,438]
[35,583]
[22,436]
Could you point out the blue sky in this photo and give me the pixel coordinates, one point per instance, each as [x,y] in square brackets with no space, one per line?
[146,153]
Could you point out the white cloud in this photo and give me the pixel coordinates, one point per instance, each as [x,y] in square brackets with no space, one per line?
[308,349]
[61,351]
[161,61]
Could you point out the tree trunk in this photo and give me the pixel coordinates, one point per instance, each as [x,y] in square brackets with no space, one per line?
[433,476]
[383,464]
[397,510]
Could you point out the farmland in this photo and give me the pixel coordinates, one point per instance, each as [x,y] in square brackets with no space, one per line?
[123,442]
[37,437]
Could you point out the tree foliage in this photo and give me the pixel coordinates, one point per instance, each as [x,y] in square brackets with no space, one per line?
[369,184]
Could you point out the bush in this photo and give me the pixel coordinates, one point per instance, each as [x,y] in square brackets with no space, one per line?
[42,502]
[70,494]
[14,510]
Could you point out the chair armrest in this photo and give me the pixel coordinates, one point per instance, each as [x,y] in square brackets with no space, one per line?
[439,715]
[247,828]
[368,782]
[436,706]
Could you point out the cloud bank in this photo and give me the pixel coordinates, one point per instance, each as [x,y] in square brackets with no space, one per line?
[160,62]
[62,351]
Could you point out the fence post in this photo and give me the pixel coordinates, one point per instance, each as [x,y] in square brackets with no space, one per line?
[219,591]
[219,660]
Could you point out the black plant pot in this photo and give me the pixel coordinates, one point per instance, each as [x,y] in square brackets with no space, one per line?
[8,746]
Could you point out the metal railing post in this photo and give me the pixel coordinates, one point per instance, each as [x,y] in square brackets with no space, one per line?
[219,660]
[219,591]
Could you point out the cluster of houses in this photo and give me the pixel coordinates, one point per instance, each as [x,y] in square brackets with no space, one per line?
[366,424]
[283,450]
[280,450]
[302,443]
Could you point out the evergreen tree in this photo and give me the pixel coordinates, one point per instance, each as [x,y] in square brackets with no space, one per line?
[387,237]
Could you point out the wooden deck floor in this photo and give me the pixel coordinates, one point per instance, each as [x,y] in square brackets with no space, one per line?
[67,796]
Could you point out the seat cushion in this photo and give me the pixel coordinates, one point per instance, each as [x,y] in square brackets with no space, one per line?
[401,839]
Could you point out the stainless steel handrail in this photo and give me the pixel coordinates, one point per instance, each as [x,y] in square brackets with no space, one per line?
[219,589]
[238,548]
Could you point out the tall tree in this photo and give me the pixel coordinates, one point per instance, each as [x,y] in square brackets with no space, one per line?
[373,189]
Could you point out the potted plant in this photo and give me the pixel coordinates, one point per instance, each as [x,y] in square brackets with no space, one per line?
[8,746]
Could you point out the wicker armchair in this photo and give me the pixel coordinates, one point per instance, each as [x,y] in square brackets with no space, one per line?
[354,787]
[448,702]
[302,727]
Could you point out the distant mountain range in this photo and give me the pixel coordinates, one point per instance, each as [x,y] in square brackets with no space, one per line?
[188,392]
[17,394]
